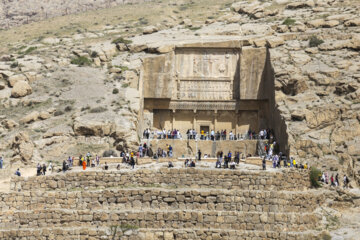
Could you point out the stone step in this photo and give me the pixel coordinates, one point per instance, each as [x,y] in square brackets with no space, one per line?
[127,232]
[172,199]
[278,222]
[288,179]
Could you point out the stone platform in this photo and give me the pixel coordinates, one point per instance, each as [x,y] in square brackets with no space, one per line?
[167,204]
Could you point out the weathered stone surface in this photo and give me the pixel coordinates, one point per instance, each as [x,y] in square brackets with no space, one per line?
[23,146]
[31,117]
[16,78]
[21,89]
[150,29]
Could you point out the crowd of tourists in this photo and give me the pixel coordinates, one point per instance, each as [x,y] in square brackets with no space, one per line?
[334,180]
[192,134]
[162,134]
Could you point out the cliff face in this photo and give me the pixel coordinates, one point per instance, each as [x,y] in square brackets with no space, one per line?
[18,12]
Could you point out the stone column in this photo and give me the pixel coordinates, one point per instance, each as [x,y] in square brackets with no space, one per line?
[215,119]
[173,118]
[194,120]
[237,121]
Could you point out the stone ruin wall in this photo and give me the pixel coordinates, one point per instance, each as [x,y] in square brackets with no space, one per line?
[240,180]
[262,205]
[19,12]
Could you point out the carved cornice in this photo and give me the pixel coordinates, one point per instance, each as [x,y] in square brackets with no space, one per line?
[202,105]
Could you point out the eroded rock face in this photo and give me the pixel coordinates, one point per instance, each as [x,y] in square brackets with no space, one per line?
[23,147]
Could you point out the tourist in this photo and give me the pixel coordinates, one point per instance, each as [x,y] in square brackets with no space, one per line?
[132,162]
[186,162]
[84,165]
[237,157]
[170,164]
[326,178]
[106,167]
[218,163]
[1,162]
[229,156]
[88,156]
[337,180]
[346,181]
[17,172]
[170,151]
[294,163]
[199,155]
[93,162]
[212,135]
[118,167]
[231,136]
[44,169]
[97,160]
[65,167]
[232,165]
[38,169]
[226,162]
[69,161]
[332,181]
[192,164]
[50,168]
[264,163]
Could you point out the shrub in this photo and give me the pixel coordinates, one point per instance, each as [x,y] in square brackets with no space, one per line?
[29,50]
[68,109]
[194,28]
[98,110]
[314,177]
[94,54]
[314,41]
[81,61]
[289,21]
[121,40]
[125,85]
[14,65]
[115,91]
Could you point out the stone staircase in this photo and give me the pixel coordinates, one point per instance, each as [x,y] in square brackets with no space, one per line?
[162,204]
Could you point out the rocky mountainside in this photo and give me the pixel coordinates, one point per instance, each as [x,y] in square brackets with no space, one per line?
[67,92]
[14,13]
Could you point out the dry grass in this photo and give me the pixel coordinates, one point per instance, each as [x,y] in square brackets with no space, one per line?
[118,17]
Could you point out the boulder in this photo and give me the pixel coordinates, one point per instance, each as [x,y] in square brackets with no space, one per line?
[301,4]
[150,29]
[16,78]
[187,22]
[31,117]
[355,42]
[9,124]
[331,23]
[21,89]
[23,147]
[44,115]
[259,42]
[87,127]
[352,23]
[273,42]
[316,23]
[2,85]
